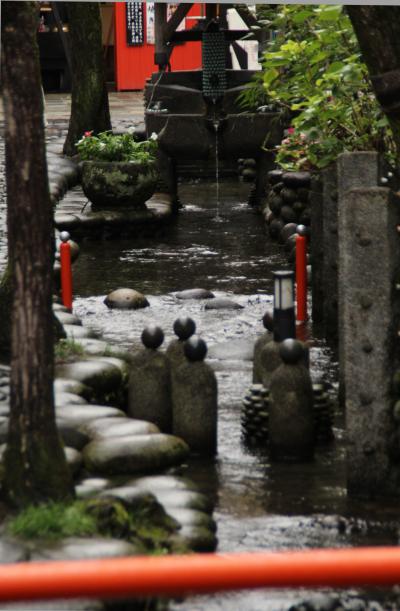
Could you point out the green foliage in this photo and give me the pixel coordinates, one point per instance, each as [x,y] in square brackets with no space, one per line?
[312,68]
[67,349]
[53,521]
[147,526]
[109,147]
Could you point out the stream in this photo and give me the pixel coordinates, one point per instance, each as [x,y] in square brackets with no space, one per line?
[258,505]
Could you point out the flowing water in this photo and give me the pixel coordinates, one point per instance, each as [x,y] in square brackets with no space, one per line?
[216,128]
[258,505]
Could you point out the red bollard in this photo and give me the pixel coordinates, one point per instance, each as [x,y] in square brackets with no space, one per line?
[301,273]
[66,270]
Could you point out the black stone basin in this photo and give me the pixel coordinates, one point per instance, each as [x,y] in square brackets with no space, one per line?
[187,123]
[183,136]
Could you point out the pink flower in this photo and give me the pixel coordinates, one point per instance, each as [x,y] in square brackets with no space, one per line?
[291,130]
[87,134]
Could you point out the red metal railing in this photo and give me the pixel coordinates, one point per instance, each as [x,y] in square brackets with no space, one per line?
[172,575]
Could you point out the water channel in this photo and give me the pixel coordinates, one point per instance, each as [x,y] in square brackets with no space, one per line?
[258,505]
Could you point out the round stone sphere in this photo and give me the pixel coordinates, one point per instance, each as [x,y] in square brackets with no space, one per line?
[152,337]
[184,327]
[64,236]
[291,351]
[302,230]
[275,228]
[195,349]
[288,230]
[268,321]
[288,215]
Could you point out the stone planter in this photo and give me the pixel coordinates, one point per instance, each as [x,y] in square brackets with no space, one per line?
[118,184]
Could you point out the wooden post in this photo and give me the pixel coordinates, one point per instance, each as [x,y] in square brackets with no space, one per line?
[161,55]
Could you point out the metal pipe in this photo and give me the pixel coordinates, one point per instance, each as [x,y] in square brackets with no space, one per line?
[201,573]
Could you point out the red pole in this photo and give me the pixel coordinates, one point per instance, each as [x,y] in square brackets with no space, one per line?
[66,270]
[301,273]
[200,573]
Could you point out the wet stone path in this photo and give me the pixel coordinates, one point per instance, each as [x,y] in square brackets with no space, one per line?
[258,505]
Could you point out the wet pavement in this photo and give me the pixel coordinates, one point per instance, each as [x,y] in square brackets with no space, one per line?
[258,505]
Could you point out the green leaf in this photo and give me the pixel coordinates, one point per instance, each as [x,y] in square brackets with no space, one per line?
[302,16]
[270,75]
[330,13]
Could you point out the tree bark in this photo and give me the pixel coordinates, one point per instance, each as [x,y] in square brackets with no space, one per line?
[5,315]
[89,100]
[35,464]
[378,32]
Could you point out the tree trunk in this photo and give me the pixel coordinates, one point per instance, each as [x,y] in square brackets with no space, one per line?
[5,316]
[378,32]
[89,101]
[35,464]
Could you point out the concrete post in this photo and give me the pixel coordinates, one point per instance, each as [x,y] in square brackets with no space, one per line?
[358,169]
[369,273]
[317,249]
[331,248]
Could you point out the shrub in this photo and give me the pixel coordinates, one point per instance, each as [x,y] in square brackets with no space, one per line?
[312,69]
[109,147]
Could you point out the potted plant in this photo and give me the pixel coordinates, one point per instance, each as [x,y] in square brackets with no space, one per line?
[118,171]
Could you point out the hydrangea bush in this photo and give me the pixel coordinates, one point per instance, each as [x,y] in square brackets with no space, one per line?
[312,69]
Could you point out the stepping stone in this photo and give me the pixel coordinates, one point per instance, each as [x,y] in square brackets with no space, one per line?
[68,398]
[72,386]
[192,518]
[137,499]
[71,435]
[91,486]
[134,453]
[183,499]
[117,427]
[84,548]
[77,415]
[66,318]
[195,294]
[74,460]
[221,303]
[77,332]
[157,483]
[100,375]
[197,538]
[93,347]
[57,307]
[126,299]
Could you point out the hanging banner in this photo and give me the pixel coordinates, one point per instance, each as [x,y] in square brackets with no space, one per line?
[150,36]
[134,24]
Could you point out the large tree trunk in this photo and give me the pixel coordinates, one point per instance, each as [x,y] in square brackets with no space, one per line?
[5,316]
[35,464]
[89,104]
[378,32]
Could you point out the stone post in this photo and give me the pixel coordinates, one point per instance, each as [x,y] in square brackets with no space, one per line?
[195,400]
[369,277]
[291,414]
[149,382]
[259,345]
[358,169]
[317,248]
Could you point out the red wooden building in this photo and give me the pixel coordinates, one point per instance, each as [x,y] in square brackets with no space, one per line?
[134,43]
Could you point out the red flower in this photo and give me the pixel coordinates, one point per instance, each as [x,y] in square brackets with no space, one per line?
[291,130]
[87,134]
